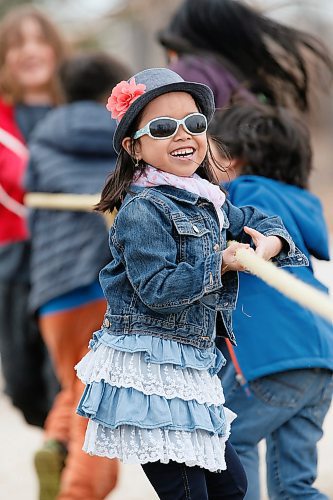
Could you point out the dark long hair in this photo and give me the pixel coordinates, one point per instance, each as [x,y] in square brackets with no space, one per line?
[119,182]
[271,58]
[271,142]
[90,75]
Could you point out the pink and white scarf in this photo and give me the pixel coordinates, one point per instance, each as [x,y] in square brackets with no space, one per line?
[194,184]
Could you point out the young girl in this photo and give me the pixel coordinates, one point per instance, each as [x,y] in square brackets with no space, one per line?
[291,376]
[152,394]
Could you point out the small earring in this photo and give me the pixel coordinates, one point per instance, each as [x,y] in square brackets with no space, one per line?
[137,162]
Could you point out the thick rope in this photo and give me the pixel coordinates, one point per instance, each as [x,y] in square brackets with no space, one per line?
[306,295]
[279,279]
[61,201]
[64,201]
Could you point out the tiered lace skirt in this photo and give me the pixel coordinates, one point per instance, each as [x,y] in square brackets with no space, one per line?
[149,399]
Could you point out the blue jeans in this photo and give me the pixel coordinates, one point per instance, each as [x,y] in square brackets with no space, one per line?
[177,481]
[287,409]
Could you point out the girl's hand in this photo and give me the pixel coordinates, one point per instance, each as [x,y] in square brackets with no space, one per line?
[229,261]
[266,246]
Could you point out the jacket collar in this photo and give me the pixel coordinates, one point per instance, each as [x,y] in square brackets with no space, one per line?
[170,191]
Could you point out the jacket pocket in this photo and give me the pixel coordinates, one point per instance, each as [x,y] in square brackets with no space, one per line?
[189,227]
[193,238]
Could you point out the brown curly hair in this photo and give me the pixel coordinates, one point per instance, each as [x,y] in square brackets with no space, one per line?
[10,32]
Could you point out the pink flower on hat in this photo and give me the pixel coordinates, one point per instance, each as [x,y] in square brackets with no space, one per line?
[122,96]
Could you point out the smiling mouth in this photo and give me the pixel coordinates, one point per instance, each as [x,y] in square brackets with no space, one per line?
[183,153]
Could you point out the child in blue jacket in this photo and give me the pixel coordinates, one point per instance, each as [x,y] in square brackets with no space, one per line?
[152,393]
[284,350]
[71,152]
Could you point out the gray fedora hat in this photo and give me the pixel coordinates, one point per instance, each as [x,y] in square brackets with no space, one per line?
[160,81]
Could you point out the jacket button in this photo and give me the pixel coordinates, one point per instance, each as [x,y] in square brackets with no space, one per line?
[216,247]
[195,228]
[107,322]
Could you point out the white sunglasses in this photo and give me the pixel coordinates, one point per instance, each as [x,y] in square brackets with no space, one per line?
[165,127]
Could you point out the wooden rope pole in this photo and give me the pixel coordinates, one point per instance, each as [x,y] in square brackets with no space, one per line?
[306,295]
[64,201]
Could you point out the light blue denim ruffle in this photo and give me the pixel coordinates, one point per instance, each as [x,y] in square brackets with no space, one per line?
[113,407]
[162,351]
[129,369]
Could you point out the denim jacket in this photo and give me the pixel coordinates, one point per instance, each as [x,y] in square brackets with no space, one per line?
[165,277]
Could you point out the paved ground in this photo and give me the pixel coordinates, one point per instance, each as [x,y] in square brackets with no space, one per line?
[18,442]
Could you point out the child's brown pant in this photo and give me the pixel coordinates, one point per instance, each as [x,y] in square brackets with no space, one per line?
[66,335]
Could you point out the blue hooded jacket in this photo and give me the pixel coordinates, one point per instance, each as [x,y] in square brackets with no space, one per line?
[71,152]
[274,333]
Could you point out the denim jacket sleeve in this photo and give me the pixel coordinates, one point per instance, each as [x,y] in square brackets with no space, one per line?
[267,225]
[143,235]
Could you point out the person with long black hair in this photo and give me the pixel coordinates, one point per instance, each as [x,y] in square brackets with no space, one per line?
[235,49]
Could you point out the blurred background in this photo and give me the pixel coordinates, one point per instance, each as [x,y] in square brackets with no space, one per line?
[127,29]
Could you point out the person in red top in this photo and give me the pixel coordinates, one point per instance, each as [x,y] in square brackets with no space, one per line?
[30,51]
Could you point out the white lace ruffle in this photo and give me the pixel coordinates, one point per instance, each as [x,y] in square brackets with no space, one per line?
[133,445]
[126,369]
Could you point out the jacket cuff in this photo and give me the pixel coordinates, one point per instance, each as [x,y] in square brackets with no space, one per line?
[295,259]
[290,255]
[213,272]
[289,245]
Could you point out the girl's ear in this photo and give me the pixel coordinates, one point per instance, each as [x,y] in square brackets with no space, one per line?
[132,147]
[127,145]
